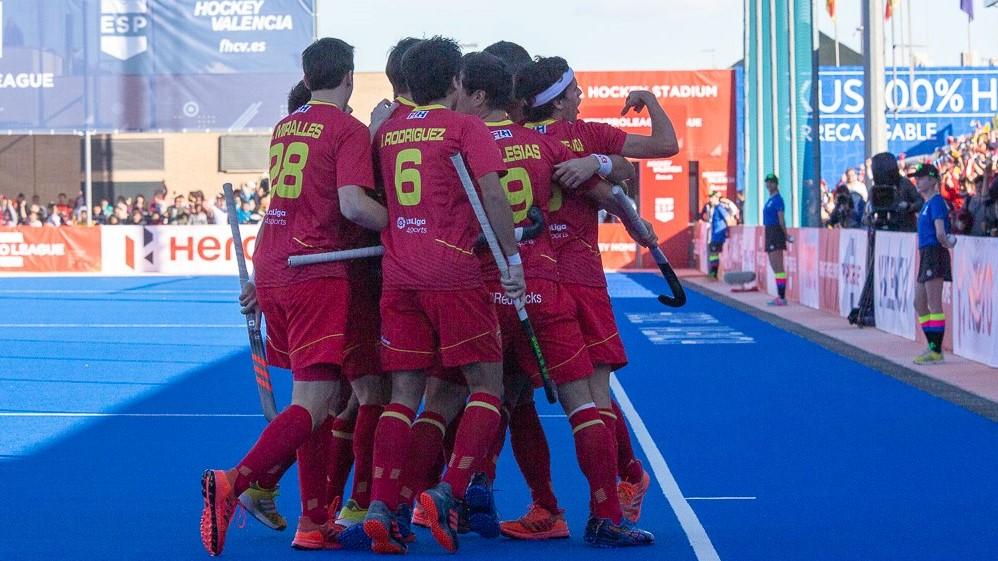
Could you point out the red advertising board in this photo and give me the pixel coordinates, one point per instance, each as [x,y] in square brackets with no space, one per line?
[50,249]
[701,107]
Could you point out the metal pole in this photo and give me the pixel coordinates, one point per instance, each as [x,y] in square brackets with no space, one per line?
[88,184]
[873,75]
[835,21]
[795,183]
[746,145]
[760,154]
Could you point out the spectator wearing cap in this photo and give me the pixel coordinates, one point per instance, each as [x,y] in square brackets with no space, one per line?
[721,216]
[776,237]
[934,268]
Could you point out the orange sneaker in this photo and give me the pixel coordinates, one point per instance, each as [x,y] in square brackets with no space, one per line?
[538,523]
[419,516]
[631,496]
[219,505]
[312,536]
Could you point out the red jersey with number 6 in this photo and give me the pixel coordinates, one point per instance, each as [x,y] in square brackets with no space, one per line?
[430,238]
[574,222]
[530,158]
[313,152]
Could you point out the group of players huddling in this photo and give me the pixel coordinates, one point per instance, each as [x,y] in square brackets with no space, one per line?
[434,322]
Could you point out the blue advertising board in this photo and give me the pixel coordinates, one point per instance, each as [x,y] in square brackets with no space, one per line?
[924,107]
[149,64]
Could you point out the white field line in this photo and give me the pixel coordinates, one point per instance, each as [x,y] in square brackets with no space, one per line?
[121,325]
[157,415]
[695,533]
[721,498]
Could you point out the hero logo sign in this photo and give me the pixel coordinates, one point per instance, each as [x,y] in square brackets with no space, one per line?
[665,209]
[123,28]
[147,238]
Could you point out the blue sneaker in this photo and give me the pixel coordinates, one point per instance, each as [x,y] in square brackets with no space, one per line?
[381,528]
[403,518]
[602,532]
[354,538]
[482,516]
[442,512]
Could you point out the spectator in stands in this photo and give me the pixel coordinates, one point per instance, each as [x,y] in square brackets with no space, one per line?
[178,212]
[852,182]
[34,219]
[199,216]
[54,217]
[985,222]
[36,202]
[216,210]
[8,212]
[722,216]
[81,217]
[155,218]
[113,220]
[136,218]
[98,214]
[140,204]
[62,207]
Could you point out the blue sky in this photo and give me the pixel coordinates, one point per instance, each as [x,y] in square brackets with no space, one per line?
[623,34]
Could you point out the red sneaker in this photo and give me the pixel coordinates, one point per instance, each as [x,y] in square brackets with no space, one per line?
[632,495]
[537,524]
[219,505]
[312,536]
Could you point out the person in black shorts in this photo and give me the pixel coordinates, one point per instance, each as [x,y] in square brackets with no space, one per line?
[776,237]
[934,242]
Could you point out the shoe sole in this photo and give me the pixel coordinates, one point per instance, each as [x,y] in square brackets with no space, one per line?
[312,545]
[208,493]
[260,517]
[381,538]
[440,534]
[534,537]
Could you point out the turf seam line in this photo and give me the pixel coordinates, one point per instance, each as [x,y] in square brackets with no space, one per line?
[932,386]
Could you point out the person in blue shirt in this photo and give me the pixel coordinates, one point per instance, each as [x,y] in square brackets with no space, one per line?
[720,217]
[776,237]
[934,243]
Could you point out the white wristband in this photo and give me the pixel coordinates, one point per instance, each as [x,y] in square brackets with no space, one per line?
[514,259]
[605,164]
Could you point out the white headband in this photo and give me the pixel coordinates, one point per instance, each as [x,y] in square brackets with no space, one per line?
[555,89]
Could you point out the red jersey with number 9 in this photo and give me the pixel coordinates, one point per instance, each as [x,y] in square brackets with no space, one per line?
[431,233]
[574,222]
[313,152]
[530,158]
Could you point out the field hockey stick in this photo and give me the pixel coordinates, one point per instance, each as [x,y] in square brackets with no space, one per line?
[523,233]
[263,386]
[332,256]
[631,217]
[550,391]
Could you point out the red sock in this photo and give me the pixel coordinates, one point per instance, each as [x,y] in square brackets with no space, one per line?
[312,458]
[492,460]
[391,452]
[628,466]
[475,437]
[340,457]
[610,420]
[450,437]
[530,448]
[423,468]
[270,478]
[275,447]
[363,452]
[592,448]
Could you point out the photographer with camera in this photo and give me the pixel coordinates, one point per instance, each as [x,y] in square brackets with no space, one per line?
[776,237]
[934,268]
[894,201]
[985,222]
[848,209]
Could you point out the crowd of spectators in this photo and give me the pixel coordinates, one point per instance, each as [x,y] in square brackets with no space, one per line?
[969,169]
[163,207]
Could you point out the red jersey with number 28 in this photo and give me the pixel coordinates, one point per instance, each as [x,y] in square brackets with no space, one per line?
[530,158]
[574,222]
[313,152]
[431,233]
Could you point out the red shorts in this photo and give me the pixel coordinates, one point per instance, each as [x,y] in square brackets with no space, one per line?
[599,329]
[458,325]
[306,322]
[361,355]
[552,315]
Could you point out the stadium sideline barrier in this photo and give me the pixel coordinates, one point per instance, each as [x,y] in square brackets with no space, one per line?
[827,268]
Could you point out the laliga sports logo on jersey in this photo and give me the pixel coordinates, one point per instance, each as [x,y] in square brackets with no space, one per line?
[665,209]
[123,28]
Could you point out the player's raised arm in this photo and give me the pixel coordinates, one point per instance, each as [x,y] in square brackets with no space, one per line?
[575,172]
[662,142]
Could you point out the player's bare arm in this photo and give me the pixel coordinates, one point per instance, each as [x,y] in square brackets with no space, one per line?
[361,209]
[501,218]
[573,173]
[662,142]
[381,112]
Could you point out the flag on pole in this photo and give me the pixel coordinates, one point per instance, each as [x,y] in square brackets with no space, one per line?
[889,9]
[830,6]
[968,6]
